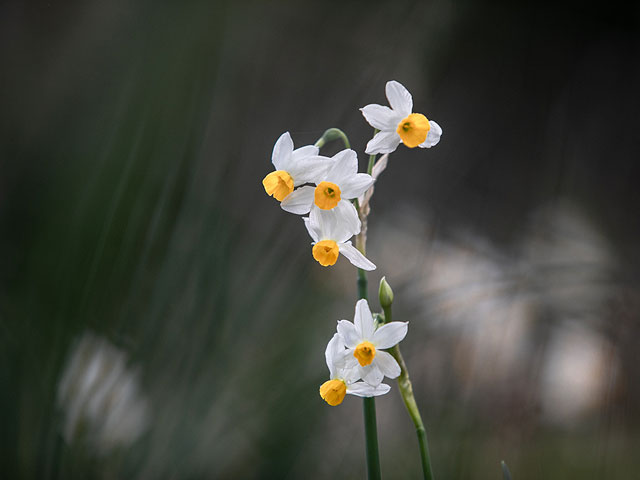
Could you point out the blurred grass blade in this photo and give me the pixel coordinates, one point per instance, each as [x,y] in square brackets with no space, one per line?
[506,475]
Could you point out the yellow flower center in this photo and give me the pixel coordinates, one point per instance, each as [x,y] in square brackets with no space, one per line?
[279,184]
[365,353]
[326,252]
[413,129]
[333,392]
[327,195]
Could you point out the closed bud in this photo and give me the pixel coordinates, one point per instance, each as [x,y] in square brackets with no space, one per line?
[385,294]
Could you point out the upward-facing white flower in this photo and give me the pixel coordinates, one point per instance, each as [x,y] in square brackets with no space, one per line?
[293,167]
[397,124]
[343,375]
[341,183]
[366,343]
[331,231]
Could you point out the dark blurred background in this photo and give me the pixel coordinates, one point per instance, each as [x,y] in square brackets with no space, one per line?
[161,317]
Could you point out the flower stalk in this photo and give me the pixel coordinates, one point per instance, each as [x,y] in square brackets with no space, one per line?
[332,134]
[369,403]
[372,157]
[405,386]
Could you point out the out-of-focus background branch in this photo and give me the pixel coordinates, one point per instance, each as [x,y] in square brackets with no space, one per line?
[161,317]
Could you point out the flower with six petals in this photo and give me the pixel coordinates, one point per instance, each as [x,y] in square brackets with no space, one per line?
[366,343]
[293,167]
[341,183]
[398,124]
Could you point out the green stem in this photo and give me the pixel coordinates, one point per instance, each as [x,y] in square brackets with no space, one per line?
[369,407]
[372,158]
[362,284]
[371,435]
[333,134]
[368,403]
[406,390]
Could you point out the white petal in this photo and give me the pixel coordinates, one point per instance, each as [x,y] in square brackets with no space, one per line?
[309,169]
[351,370]
[349,333]
[382,118]
[345,221]
[333,347]
[345,165]
[344,362]
[312,229]
[323,222]
[355,257]
[306,151]
[299,201]
[399,98]
[281,156]
[383,142]
[433,137]
[355,185]
[361,389]
[387,364]
[390,334]
[363,320]
[371,374]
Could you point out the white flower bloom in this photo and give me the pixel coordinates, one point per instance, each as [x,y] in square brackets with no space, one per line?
[101,397]
[293,167]
[341,183]
[344,375]
[331,231]
[397,124]
[366,343]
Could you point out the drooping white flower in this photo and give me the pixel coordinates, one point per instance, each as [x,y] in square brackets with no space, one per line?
[397,124]
[344,375]
[293,167]
[366,343]
[341,183]
[331,231]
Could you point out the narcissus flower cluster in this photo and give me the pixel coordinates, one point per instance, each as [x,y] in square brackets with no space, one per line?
[356,358]
[333,218]
[334,199]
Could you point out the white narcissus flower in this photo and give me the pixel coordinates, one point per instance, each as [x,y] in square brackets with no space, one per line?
[331,231]
[344,376]
[293,167]
[366,343]
[341,183]
[397,124]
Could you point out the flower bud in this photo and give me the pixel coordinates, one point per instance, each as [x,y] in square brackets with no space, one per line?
[385,294]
